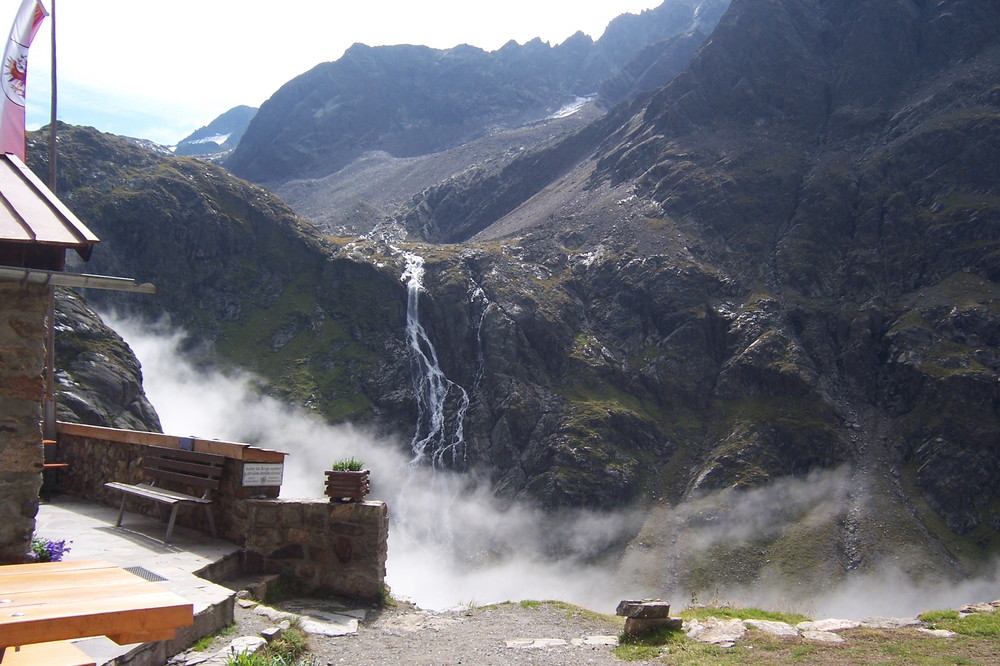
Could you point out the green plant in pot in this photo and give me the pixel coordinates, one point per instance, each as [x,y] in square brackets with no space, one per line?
[347,480]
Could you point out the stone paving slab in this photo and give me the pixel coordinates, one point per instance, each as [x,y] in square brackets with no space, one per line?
[313,621]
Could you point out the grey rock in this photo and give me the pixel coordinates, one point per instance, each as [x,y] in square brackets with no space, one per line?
[830,624]
[782,629]
[271,634]
[937,633]
[889,622]
[535,643]
[822,636]
[595,641]
[723,633]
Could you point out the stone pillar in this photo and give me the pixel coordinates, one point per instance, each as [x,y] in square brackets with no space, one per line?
[22,363]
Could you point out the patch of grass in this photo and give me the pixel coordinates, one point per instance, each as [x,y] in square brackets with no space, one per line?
[632,652]
[264,659]
[647,645]
[933,616]
[979,625]
[385,598]
[742,614]
[204,642]
[571,610]
[351,464]
[291,646]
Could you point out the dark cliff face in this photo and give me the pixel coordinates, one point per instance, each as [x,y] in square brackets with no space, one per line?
[413,100]
[98,379]
[781,264]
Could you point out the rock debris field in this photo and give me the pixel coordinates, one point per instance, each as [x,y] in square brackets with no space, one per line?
[510,633]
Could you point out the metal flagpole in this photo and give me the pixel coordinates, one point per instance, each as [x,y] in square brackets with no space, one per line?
[52,122]
[49,401]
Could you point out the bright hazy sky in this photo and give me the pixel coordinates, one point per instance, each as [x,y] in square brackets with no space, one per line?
[162,69]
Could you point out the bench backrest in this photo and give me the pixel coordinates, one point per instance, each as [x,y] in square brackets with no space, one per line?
[190,468]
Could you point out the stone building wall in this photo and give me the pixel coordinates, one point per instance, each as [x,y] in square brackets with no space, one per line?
[22,363]
[322,546]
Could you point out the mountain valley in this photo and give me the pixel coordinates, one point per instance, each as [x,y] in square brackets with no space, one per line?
[757,301]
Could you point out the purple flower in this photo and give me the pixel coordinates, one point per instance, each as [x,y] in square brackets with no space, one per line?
[46,550]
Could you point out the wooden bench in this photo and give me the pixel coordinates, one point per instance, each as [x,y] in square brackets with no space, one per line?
[54,653]
[186,468]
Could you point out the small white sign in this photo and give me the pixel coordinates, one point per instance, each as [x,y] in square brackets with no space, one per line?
[262,474]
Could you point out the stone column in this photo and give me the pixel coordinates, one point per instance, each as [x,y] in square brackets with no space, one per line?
[22,362]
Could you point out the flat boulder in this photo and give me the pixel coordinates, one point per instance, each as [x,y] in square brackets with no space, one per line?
[723,633]
[780,629]
[644,609]
[828,625]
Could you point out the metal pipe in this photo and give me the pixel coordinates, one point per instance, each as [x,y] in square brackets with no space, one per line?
[81,280]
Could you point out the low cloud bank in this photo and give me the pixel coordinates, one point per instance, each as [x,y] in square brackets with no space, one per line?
[451,542]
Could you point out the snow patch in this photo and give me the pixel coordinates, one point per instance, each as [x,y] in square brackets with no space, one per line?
[215,138]
[571,108]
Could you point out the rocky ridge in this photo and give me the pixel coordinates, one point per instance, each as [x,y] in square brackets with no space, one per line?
[412,100]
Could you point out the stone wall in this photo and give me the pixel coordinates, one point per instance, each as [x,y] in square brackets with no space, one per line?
[332,547]
[321,546]
[22,363]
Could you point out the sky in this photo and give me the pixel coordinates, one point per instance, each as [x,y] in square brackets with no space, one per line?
[161,70]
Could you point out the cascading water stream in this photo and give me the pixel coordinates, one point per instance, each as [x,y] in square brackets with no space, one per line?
[436,437]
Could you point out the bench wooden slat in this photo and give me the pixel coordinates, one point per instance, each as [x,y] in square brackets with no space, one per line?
[71,565]
[53,653]
[194,468]
[184,479]
[80,614]
[182,454]
[57,580]
[157,494]
[130,587]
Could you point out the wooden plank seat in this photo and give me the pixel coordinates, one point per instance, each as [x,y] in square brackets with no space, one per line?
[53,653]
[189,469]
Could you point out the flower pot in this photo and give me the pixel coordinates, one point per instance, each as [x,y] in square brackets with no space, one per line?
[351,486]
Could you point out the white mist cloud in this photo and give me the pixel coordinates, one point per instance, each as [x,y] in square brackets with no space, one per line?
[892,577]
[450,541]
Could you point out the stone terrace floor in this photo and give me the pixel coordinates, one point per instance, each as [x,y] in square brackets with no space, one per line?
[90,532]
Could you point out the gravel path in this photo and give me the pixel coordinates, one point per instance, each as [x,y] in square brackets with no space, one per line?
[405,634]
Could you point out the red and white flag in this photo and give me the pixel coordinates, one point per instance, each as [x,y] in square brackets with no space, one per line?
[14,75]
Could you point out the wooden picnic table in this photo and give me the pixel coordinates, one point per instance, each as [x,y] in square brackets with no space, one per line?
[54,601]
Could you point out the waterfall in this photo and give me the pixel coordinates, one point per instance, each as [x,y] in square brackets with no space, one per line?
[436,437]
